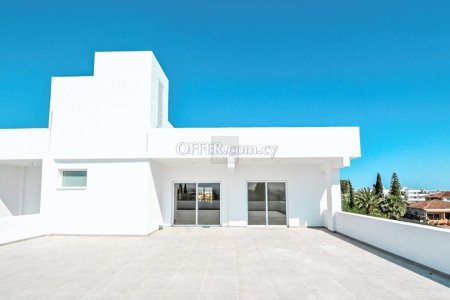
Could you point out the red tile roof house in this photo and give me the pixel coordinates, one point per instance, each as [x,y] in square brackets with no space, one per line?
[438,196]
[435,212]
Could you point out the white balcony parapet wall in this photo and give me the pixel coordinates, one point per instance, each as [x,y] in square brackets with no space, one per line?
[16,228]
[307,142]
[23,143]
[425,245]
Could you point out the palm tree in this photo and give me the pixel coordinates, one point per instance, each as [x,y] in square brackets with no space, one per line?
[393,206]
[366,200]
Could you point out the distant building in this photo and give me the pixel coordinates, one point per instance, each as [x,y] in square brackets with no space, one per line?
[415,195]
[436,212]
[412,195]
[444,196]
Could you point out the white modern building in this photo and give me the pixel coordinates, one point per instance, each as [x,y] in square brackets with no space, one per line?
[416,195]
[110,162]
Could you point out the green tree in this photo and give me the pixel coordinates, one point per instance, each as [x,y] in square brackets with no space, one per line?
[344,194]
[395,189]
[344,186]
[179,192]
[393,206]
[378,186]
[366,200]
[345,202]
[351,198]
[347,195]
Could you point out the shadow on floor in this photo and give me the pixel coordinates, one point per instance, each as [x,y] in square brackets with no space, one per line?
[436,276]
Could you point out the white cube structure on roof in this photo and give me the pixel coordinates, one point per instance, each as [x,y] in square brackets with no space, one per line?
[111,162]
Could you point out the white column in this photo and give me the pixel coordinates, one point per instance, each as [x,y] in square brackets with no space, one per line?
[48,187]
[21,193]
[225,195]
[333,197]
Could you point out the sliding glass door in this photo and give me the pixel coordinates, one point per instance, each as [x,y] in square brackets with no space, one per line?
[276,203]
[256,203]
[185,204]
[266,203]
[197,204]
[208,205]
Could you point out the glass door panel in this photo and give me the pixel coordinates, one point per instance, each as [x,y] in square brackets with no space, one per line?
[256,203]
[276,199]
[208,198]
[185,204]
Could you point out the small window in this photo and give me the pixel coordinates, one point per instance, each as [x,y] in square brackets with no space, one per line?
[74,178]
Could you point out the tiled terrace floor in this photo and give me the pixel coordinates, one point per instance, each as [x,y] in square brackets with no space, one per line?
[210,263]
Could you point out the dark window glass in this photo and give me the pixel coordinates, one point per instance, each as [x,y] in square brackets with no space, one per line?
[184,213]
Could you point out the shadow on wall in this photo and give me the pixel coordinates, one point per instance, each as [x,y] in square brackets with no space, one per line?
[4,210]
[20,189]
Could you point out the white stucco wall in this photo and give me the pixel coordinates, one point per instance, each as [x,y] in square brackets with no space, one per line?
[30,143]
[21,227]
[115,201]
[423,244]
[154,217]
[117,106]
[305,190]
[32,190]
[291,142]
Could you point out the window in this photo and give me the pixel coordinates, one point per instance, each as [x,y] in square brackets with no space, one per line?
[74,178]
[433,216]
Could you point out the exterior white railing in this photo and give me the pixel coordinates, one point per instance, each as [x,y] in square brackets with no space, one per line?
[425,245]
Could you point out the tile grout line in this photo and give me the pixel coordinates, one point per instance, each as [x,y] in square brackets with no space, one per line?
[265,267]
[167,286]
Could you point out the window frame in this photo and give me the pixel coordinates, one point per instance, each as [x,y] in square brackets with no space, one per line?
[266,181]
[61,179]
[173,202]
[434,216]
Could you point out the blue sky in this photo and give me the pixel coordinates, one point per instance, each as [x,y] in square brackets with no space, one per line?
[380,65]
